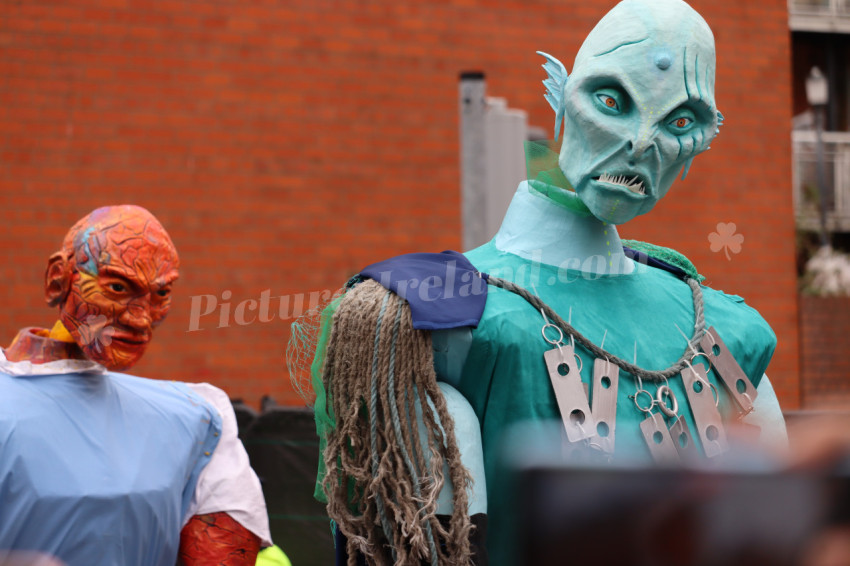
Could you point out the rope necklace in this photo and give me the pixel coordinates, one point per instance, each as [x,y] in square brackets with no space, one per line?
[649,375]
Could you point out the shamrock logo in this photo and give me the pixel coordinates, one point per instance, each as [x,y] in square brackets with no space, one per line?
[95,331]
[726,239]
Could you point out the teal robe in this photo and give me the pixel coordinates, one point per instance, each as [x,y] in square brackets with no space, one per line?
[504,376]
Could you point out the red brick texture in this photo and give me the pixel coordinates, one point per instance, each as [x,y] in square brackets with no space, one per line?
[824,344]
[286,144]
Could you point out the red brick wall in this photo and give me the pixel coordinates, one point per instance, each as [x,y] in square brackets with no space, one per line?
[286,144]
[824,344]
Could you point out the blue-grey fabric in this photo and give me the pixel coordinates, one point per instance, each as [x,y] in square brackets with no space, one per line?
[444,290]
[99,469]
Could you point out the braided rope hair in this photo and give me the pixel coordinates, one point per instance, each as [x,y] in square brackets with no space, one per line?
[383,472]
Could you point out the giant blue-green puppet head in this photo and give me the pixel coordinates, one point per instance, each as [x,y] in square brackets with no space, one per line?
[638,106]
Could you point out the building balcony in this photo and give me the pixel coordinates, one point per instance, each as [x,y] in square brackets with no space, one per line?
[837,176]
[828,16]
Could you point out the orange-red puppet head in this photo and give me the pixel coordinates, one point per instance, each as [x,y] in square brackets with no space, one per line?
[112,283]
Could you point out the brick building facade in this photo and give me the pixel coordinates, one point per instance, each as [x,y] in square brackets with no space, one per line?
[824,342]
[286,144]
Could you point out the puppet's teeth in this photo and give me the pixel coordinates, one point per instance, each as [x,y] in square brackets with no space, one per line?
[635,184]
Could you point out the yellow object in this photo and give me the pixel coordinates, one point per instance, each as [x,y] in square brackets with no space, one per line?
[272,556]
[59,332]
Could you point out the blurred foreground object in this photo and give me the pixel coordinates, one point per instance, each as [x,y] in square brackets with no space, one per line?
[820,445]
[24,558]
[746,510]
[272,556]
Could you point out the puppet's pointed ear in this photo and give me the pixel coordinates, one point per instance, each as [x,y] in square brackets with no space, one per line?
[720,120]
[57,279]
[555,88]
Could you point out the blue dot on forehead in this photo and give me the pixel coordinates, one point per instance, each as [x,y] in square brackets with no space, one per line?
[663,60]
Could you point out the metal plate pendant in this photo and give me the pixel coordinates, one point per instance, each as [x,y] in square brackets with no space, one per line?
[707,417]
[684,442]
[569,391]
[606,380]
[733,377]
[658,439]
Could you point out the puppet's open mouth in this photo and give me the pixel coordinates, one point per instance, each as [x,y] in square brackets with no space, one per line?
[634,183]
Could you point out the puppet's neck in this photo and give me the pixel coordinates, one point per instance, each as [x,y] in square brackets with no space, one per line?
[39,346]
[540,229]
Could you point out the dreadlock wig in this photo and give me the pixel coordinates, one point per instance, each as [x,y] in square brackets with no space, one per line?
[392,446]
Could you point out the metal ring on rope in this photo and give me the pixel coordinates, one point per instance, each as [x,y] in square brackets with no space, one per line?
[663,391]
[636,396]
[707,359]
[560,339]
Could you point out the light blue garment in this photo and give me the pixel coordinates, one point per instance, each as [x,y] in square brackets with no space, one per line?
[100,468]
[468,438]
[560,236]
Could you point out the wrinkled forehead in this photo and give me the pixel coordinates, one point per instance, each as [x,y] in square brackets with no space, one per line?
[124,239]
[653,44]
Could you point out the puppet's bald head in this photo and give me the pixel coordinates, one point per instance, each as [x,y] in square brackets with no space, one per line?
[638,106]
[112,282]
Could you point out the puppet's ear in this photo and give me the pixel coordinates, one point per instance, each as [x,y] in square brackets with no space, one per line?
[57,279]
[555,83]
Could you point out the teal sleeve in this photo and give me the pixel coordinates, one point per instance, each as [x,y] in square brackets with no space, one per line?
[451,347]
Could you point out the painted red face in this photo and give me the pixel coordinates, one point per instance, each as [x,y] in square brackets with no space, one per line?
[123,267]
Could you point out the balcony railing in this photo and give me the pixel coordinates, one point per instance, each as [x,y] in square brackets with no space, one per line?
[819,15]
[837,173]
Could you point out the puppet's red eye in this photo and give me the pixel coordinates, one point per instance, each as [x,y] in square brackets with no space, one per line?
[682,122]
[610,101]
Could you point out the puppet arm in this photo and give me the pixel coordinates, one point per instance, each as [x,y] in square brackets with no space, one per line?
[216,538]
[468,437]
[767,415]
[450,350]
[227,520]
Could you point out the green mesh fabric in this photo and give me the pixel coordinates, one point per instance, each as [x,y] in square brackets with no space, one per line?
[668,255]
[546,177]
[325,418]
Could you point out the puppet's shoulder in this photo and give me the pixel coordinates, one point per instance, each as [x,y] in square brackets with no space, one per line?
[661,257]
[444,290]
